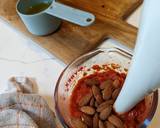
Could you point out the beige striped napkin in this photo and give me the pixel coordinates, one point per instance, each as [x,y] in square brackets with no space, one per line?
[20,107]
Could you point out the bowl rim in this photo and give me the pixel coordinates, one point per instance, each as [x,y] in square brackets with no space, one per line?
[59,116]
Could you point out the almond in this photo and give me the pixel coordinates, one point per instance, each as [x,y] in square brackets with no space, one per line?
[107,93]
[109,125]
[116,83]
[91,103]
[100,124]
[99,99]
[101,108]
[87,120]
[77,123]
[97,94]
[87,110]
[104,105]
[106,84]
[116,121]
[91,82]
[95,121]
[85,99]
[105,113]
[96,91]
[115,93]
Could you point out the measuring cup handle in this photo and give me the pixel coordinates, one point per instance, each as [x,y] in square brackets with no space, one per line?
[70,14]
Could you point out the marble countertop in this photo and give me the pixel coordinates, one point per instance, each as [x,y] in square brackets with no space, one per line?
[20,56]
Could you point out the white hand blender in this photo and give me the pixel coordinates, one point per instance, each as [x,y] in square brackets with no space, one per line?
[144,74]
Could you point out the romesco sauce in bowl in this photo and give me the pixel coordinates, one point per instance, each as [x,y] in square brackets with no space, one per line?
[88,88]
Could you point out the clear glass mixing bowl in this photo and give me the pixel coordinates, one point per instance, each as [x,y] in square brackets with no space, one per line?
[64,90]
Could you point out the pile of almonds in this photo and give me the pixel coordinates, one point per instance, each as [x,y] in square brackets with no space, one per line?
[97,106]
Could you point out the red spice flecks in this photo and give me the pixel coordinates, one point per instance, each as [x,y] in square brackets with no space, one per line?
[115,66]
[81,68]
[96,67]
[106,66]
[88,69]
[67,84]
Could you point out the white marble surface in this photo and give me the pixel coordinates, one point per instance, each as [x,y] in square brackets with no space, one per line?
[20,56]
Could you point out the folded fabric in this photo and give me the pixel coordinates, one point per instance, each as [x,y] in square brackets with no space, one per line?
[20,107]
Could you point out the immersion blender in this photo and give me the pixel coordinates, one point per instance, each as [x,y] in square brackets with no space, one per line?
[144,74]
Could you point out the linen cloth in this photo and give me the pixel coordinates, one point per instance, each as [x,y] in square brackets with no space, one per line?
[21,107]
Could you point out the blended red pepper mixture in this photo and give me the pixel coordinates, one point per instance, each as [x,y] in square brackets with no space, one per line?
[131,119]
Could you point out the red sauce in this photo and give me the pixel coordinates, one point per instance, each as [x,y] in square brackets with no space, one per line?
[131,119]
[79,92]
[135,116]
[96,67]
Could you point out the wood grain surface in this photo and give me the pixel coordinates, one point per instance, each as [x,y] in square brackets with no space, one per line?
[71,41]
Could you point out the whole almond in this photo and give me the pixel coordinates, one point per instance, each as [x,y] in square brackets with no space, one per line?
[106,84]
[116,83]
[91,82]
[95,121]
[91,103]
[96,91]
[116,121]
[97,94]
[101,108]
[87,120]
[100,124]
[104,105]
[85,99]
[109,125]
[99,99]
[105,113]
[107,93]
[87,110]
[77,123]
[115,93]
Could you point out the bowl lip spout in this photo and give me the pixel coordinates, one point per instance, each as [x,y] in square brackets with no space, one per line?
[127,53]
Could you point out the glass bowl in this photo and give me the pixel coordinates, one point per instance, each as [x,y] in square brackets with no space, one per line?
[74,71]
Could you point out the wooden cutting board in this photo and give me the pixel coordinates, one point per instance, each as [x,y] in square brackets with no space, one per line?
[71,41]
